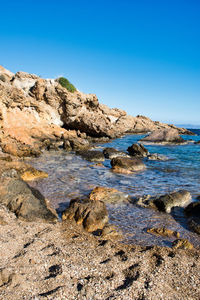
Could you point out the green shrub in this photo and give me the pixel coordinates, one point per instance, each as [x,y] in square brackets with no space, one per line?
[66,84]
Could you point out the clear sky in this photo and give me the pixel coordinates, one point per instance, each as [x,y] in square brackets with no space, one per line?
[139,55]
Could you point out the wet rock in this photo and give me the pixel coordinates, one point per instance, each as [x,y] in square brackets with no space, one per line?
[32,174]
[165,136]
[92,215]
[156,156]
[76,144]
[182,244]
[127,165]
[138,150]
[163,232]
[112,153]
[167,202]
[92,155]
[108,195]
[193,213]
[26,202]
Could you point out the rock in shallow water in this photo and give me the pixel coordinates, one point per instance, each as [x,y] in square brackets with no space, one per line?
[193,212]
[109,195]
[112,152]
[169,136]
[90,155]
[127,165]
[138,150]
[165,202]
[93,215]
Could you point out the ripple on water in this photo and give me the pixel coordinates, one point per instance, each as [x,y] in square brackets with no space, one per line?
[70,176]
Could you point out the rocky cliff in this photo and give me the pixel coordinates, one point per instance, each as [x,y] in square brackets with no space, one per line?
[37,113]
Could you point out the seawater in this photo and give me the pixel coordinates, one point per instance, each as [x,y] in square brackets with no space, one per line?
[70,176]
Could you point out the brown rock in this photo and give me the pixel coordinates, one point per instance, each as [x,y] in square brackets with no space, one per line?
[126,165]
[92,215]
[170,136]
[163,232]
[26,202]
[138,150]
[108,195]
[182,244]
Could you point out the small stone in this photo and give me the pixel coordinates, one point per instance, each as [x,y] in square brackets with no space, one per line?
[182,244]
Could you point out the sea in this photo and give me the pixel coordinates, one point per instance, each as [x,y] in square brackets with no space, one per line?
[70,176]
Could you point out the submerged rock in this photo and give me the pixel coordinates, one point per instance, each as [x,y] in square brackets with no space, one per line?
[164,136]
[32,174]
[92,155]
[108,195]
[126,165]
[26,202]
[156,156]
[138,150]
[92,215]
[163,232]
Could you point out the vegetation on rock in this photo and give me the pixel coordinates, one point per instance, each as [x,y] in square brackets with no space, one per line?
[66,84]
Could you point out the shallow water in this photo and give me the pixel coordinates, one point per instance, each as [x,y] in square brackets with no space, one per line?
[71,176]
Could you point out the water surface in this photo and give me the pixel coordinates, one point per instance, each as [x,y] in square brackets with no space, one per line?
[71,176]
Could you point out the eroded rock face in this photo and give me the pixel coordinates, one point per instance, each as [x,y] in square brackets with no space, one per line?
[127,165]
[35,110]
[170,136]
[92,215]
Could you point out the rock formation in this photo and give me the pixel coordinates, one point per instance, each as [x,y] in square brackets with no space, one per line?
[37,113]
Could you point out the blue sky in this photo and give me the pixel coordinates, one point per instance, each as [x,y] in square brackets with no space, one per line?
[141,56]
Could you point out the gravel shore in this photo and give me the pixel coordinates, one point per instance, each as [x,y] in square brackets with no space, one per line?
[61,261]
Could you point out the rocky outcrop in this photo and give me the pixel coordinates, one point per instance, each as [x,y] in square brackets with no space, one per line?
[36,113]
[126,165]
[164,136]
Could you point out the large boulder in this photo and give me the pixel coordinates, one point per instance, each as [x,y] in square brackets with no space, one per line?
[92,215]
[27,203]
[164,136]
[127,165]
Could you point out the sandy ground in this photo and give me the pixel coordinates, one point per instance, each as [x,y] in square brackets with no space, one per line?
[60,261]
